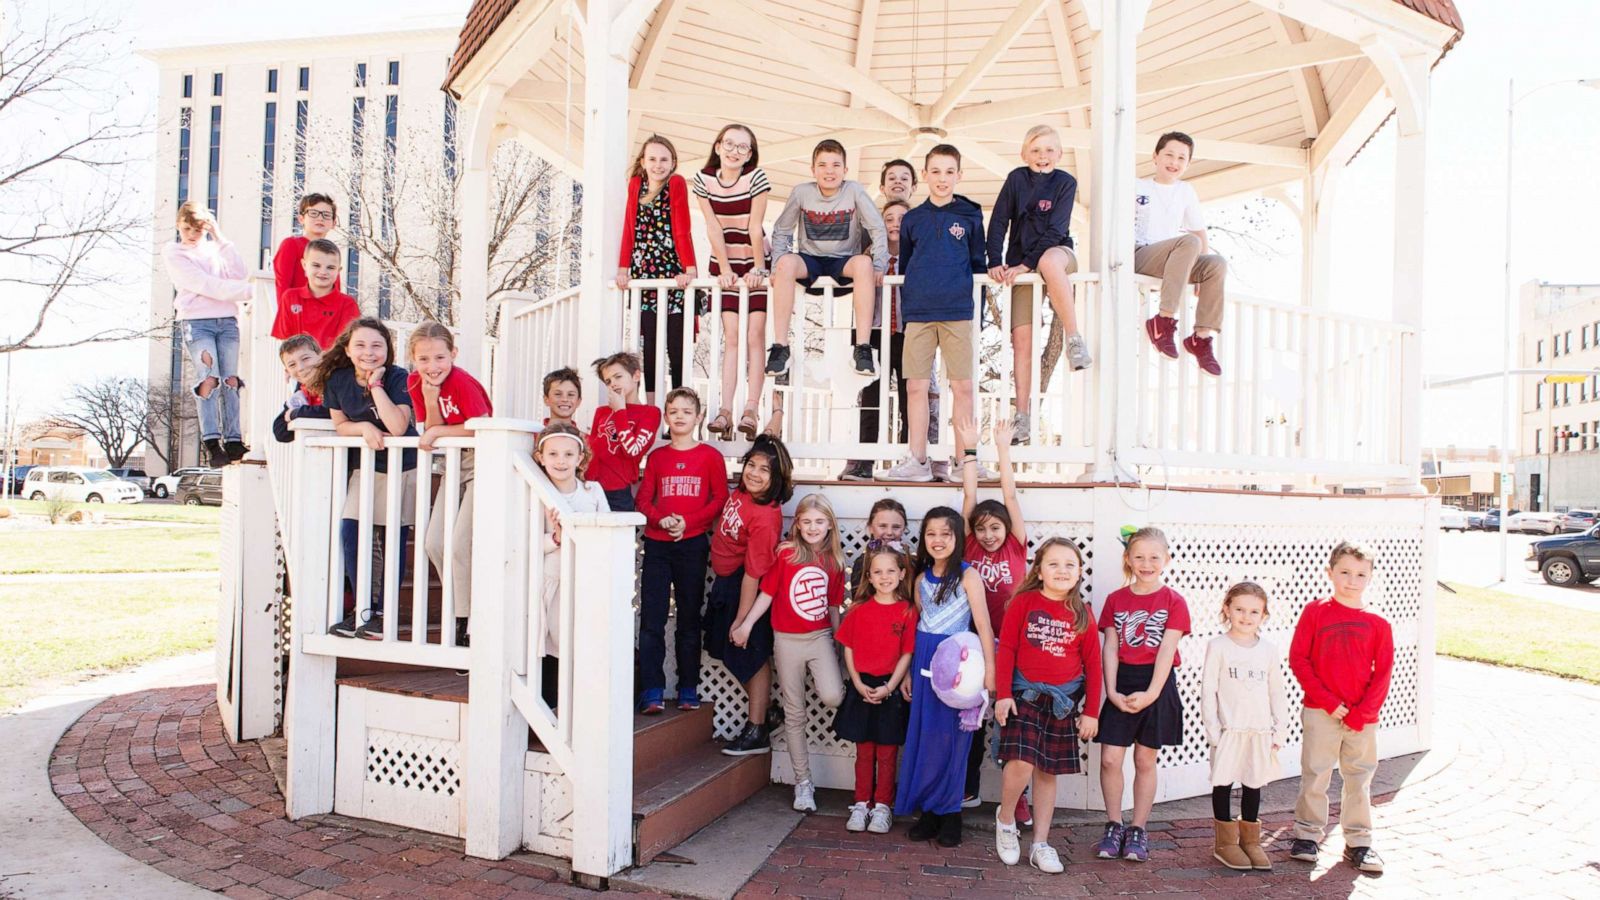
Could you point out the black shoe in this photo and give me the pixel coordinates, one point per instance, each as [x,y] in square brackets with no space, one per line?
[462,638]
[950,830]
[1303,850]
[752,741]
[217,457]
[856,470]
[863,360]
[1364,858]
[345,627]
[774,717]
[373,629]
[235,450]
[925,828]
[778,359]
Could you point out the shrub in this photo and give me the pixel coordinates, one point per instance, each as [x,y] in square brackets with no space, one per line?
[57,510]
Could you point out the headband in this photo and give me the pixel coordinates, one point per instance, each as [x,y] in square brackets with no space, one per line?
[547,435]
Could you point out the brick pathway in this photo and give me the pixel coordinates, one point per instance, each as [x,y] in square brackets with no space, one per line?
[1517,813]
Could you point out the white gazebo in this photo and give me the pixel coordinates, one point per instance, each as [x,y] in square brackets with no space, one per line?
[1276,93]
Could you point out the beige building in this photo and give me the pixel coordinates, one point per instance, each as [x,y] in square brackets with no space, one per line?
[1558,462]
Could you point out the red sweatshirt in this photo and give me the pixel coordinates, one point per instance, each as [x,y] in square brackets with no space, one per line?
[286,269]
[618,439]
[691,483]
[678,204]
[1343,656]
[1037,637]
[748,534]
[324,318]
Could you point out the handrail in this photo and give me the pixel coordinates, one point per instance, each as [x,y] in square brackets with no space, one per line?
[536,304]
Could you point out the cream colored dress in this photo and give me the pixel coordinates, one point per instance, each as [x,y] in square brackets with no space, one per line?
[589,497]
[1245,710]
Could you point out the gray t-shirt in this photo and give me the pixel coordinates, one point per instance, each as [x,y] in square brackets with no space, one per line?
[831,226]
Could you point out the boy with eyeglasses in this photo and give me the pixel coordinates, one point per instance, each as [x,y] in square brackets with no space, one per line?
[317,217]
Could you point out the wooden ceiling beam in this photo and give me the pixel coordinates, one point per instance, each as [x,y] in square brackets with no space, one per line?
[800,148]
[720,107]
[1309,96]
[1022,16]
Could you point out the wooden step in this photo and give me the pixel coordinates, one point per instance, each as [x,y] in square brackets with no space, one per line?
[429,684]
[675,800]
[659,740]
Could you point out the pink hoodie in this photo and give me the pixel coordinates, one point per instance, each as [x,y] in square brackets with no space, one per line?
[209,278]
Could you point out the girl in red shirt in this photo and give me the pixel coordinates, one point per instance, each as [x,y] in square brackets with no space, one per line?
[744,547]
[656,243]
[1047,675]
[804,590]
[878,635]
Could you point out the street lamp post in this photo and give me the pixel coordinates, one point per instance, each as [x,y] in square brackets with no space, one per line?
[1510,397]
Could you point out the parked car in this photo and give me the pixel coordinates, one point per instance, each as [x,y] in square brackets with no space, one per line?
[164,486]
[1568,559]
[1491,518]
[137,476]
[19,474]
[200,488]
[1579,519]
[1546,522]
[1474,520]
[1452,518]
[80,484]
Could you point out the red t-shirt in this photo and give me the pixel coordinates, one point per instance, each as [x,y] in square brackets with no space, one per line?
[878,634]
[691,483]
[1001,572]
[461,397]
[324,318]
[618,439]
[1141,621]
[1344,656]
[287,272]
[747,534]
[1038,639]
[801,595]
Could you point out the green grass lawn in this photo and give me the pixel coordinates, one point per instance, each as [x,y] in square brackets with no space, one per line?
[87,548]
[142,512]
[1492,627]
[57,633]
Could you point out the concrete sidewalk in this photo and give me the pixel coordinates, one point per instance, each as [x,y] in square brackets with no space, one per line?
[44,850]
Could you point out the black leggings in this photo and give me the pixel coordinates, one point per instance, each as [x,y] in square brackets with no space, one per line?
[1222,801]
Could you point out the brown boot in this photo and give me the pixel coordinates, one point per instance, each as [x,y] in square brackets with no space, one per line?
[1250,843]
[1228,852]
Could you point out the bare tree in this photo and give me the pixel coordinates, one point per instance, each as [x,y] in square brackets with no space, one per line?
[165,413]
[66,214]
[113,412]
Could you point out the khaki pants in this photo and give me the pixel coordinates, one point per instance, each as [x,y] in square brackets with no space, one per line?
[460,548]
[1178,262]
[793,655]
[1329,742]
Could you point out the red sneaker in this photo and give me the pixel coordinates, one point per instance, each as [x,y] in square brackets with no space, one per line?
[1161,330]
[1200,349]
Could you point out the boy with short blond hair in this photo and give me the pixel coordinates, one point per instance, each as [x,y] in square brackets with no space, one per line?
[318,308]
[318,214]
[299,355]
[1343,655]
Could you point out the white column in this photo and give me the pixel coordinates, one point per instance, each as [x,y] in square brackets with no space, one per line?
[308,714]
[472,196]
[1410,242]
[497,734]
[607,146]
[1111,233]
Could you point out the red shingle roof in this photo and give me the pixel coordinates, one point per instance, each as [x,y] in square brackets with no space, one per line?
[1439,11]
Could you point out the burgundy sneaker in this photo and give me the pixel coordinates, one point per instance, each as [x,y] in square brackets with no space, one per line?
[1161,330]
[1200,348]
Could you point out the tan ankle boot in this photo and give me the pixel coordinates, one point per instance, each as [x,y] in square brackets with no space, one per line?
[1228,852]
[1250,843]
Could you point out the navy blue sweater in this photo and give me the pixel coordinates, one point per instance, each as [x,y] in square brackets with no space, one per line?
[1036,209]
[941,248]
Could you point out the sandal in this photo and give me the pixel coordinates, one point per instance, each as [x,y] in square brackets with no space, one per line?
[774,427]
[749,423]
[722,425]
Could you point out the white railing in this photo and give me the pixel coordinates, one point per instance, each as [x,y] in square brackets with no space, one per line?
[537,336]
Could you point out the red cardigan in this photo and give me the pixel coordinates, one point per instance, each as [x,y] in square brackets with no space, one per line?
[678,204]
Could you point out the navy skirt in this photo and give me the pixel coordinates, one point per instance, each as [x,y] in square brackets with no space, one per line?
[722,609]
[860,722]
[933,768]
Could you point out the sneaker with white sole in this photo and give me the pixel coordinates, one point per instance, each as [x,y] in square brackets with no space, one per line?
[908,469]
[858,815]
[940,470]
[1078,353]
[805,797]
[971,801]
[881,821]
[985,474]
[1021,429]
[1006,843]
[1044,858]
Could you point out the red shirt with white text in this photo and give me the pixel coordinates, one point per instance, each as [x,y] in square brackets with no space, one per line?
[1001,572]
[691,483]
[802,594]
[878,634]
[747,534]
[1039,639]
[618,439]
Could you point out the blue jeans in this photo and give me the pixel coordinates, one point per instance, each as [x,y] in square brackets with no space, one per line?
[218,340]
[350,547]
[672,568]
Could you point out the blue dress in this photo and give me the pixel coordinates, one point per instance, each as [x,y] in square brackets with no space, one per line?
[933,770]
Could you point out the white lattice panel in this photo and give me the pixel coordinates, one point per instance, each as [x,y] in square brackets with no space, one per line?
[547,807]
[400,760]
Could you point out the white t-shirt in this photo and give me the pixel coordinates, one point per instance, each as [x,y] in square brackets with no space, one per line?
[1164,211]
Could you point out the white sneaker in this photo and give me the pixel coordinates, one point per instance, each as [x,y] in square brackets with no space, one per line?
[1006,843]
[908,469]
[985,474]
[882,820]
[858,814]
[1078,353]
[940,470]
[1044,859]
[1022,428]
[805,799]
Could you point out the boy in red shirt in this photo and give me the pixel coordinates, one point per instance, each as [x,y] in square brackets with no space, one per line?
[622,431]
[685,484]
[317,216]
[317,308]
[1342,654]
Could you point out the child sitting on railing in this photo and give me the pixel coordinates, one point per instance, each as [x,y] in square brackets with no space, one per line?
[656,243]
[563,456]
[299,355]
[366,396]
[446,396]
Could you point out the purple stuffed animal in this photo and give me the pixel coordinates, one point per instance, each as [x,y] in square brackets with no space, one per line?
[956,672]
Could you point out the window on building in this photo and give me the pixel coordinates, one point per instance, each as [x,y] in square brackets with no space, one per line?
[302,114]
[214,159]
[185,138]
[305,78]
[216,84]
[358,147]
[1583,392]
[1555,347]
[394,71]
[269,165]
[272,81]
[361,74]
[1583,436]
[1538,396]
[1566,342]
[450,137]
[391,128]
[1538,440]
[1566,394]
[188,86]
[1583,338]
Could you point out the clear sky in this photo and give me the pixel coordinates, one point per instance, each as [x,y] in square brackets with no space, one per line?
[1555,237]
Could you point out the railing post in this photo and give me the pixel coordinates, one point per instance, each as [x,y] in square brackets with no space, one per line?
[602,725]
[308,716]
[497,734]
[259,365]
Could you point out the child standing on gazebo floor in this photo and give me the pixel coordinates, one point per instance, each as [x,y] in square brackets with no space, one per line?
[656,243]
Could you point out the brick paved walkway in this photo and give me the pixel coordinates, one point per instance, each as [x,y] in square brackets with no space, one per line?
[1517,813]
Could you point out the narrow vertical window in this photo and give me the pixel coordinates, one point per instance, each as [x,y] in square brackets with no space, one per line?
[394,72]
[302,113]
[214,159]
[272,81]
[358,127]
[391,127]
[185,139]
[188,86]
[269,167]
[216,84]
[361,74]
[305,78]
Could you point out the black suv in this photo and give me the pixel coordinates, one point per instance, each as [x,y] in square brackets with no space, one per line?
[1568,559]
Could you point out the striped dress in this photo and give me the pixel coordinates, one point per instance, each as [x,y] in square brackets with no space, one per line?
[731,203]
